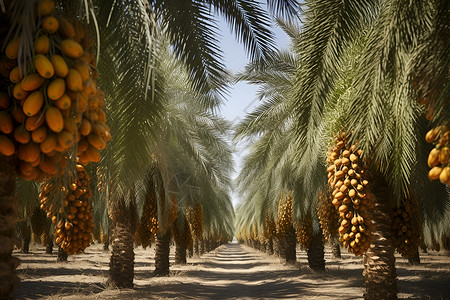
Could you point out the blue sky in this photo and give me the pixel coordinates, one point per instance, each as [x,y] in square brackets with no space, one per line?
[241,97]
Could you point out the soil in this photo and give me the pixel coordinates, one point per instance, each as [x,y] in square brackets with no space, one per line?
[232,271]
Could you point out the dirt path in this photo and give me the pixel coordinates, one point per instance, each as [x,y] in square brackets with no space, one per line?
[232,271]
[236,272]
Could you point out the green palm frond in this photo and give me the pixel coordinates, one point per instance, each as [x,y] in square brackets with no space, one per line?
[192,30]
[250,23]
[431,64]
[192,156]
[292,29]
[328,29]
[284,8]
[383,111]
[125,69]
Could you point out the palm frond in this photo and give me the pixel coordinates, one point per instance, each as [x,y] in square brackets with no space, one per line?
[284,8]
[383,110]
[250,24]
[328,29]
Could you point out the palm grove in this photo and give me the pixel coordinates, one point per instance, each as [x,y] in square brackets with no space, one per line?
[133,89]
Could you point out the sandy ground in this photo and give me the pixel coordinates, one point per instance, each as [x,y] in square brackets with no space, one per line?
[231,271]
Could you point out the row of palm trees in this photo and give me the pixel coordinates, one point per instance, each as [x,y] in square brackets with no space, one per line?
[162,73]
[353,67]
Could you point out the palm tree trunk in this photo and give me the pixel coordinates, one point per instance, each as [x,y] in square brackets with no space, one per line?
[190,244]
[315,253]
[26,245]
[162,254]
[202,246]
[269,247]
[414,259]
[196,247]
[49,245]
[121,264]
[8,220]
[290,241]
[335,247]
[180,254]
[62,255]
[379,260]
[279,246]
[25,232]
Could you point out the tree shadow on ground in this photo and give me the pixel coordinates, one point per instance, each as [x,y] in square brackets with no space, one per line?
[40,289]
[232,271]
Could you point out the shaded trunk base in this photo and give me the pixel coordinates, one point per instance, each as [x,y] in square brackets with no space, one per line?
[62,255]
[280,247]
[49,247]
[196,247]
[26,245]
[379,260]
[315,253]
[290,241]
[106,247]
[180,254]
[162,254]
[269,246]
[415,259]
[202,246]
[335,247]
[121,263]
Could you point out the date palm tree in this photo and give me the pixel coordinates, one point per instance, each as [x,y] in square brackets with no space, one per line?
[379,104]
[192,155]
[270,129]
[174,130]
[191,29]
[339,84]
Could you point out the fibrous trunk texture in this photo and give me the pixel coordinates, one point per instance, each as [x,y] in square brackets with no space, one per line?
[8,220]
[25,231]
[62,255]
[121,264]
[415,259]
[196,247]
[180,254]
[335,247]
[315,253]
[269,247]
[379,261]
[162,254]
[280,248]
[49,247]
[26,244]
[290,241]
[202,246]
